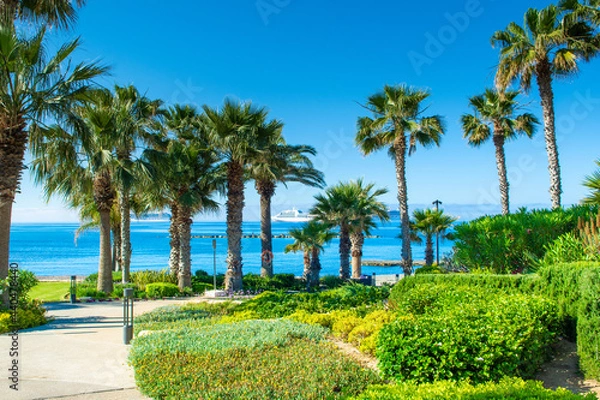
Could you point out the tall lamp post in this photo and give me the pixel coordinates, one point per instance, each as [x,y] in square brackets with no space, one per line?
[437,235]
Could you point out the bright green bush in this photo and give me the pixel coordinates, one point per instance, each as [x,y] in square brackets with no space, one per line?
[588,323]
[162,289]
[191,315]
[89,289]
[506,389]
[351,296]
[117,276]
[475,336]
[332,281]
[429,269]
[507,243]
[566,248]
[28,315]
[201,287]
[255,282]
[449,282]
[143,278]
[278,359]
[201,276]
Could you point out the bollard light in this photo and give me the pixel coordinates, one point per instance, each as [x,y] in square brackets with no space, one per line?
[73,289]
[374,280]
[127,315]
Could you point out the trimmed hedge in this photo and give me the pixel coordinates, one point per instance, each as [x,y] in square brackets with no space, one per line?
[463,332]
[278,359]
[162,289]
[506,389]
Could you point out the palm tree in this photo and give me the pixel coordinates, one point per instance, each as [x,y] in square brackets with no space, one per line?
[398,124]
[134,114]
[310,239]
[431,222]
[494,116]
[549,44]
[59,13]
[335,208]
[33,89]
[186,181]
[592,182]
[366,209]
[235,134]
[82,160]
[279,162]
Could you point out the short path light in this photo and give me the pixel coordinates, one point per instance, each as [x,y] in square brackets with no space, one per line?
[73,289]
[127,315]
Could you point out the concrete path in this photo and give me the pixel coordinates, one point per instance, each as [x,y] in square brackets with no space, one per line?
[80,355]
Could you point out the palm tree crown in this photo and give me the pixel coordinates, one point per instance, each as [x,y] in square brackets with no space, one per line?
[430,222]
[494,117]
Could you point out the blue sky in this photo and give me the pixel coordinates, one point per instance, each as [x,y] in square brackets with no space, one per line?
[312,63]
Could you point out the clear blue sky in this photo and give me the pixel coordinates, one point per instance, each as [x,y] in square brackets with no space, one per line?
[312,62]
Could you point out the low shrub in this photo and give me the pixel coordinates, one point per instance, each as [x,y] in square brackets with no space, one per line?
[564,249]
[482,339]
[28,315]
[89,289]
[120,287]
[507,243]
[201,276]
[588,323]
[117,276]
[332,281]
[201,287]
[191,315]
[257,283]
[430,269]
[249,360]
[162,289]
[507,388]
[143,278]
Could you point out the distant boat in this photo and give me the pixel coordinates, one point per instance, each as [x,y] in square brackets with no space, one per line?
[292,215]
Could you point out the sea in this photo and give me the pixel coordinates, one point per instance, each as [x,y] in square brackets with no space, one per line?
[51,249]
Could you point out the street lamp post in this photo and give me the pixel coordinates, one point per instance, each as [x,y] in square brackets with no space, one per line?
[437,235]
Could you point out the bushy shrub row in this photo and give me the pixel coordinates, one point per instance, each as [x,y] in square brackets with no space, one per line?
[249,360]
[145,277]
[347,325]
[465,333]
[509,243]
[162,289]
[506,389]
[29,313]
[575,287]
[350,296]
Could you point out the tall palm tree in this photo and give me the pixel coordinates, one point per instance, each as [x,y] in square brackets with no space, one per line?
[494,117]
[235,134]
[398,124]
[276,163]
[32,87]
[78,159]
[187,179]
[366,209]
[310,239]
[335,208]
[61,13]
[549,44]
[431,222]
[134,113]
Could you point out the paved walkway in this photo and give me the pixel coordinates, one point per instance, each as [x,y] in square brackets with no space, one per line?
[80,355]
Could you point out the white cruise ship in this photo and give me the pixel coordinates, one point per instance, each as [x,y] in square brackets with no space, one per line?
[292,215]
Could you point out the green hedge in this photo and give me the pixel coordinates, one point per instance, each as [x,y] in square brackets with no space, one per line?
[506,389]
[588,323]
[277,359]
[505,243]
[162,289]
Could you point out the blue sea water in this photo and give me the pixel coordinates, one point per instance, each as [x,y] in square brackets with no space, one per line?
[51,249]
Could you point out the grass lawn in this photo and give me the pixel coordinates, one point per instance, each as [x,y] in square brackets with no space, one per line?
[50,291]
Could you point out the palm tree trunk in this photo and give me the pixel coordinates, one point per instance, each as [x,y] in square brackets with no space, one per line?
[13,141]
[400,159]
[266,189]
[357,239]
[544,80]
[235,209]
[105,282]
[175,240]
[307,265]
[116,248]
[344,251]
[501,165]
[104,197]
[125,253]
[315,269]
[428,249]
[185,253]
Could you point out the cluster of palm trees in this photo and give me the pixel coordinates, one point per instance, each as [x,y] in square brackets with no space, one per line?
[551,43]
[354,208]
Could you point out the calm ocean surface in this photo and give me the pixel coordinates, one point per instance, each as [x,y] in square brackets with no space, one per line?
[50,249]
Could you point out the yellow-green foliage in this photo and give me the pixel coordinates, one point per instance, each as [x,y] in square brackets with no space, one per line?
[364,335]
[239,316]
[28,316]
[507,388]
